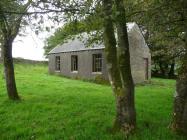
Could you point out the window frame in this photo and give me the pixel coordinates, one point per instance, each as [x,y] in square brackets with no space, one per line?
[97,63]
[146,65]
[74,63]
[57,63]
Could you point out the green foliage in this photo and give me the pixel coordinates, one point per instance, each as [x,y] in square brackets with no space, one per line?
[163,23]
[62,34]
[53,107]
[67,31]
[99,79]
[11,22]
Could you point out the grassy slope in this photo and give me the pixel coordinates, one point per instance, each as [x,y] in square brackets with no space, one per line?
[53,107]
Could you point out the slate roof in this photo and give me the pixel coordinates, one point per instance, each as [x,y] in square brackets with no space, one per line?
[74,45]
[79,45]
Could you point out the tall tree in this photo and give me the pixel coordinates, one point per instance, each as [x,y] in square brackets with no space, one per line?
[166,24]
[118,64]
[166,21]
[9,28]
[180,101]
[118,61]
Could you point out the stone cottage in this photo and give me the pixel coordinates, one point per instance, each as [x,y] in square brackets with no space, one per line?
[74,59]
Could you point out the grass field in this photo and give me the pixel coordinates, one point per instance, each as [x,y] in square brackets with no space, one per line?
[57,108]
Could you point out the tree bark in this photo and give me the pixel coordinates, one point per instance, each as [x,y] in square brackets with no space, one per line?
[9,28]
[126,113]
[179,123]
[119,72]
[9,70]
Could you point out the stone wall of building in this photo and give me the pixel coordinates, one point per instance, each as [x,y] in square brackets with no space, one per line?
[139,54]
[140,58]
[84,64]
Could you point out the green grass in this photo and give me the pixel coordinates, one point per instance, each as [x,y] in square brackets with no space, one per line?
[57,108]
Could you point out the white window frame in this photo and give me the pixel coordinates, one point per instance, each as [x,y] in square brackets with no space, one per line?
[97,63]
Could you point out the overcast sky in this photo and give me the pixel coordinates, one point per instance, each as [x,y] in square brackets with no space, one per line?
[30,46]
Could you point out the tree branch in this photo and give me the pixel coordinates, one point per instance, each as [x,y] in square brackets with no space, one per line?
[4,23]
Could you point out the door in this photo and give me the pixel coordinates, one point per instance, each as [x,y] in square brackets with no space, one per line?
[146,64]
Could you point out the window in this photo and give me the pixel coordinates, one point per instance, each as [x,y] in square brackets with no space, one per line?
[57,63]
[97,63]
[74,63]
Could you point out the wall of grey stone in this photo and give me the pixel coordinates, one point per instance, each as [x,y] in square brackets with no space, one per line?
[84,64]
[138,52]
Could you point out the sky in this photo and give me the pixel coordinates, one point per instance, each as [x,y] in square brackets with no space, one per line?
[30,46]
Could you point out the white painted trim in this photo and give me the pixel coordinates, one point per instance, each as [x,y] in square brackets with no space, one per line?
[74,71]
[97,73]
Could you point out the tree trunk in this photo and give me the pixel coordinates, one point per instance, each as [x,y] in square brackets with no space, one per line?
[171,73]
[9,70]
[119,73]
[126,113]
[179,123]
[162,70]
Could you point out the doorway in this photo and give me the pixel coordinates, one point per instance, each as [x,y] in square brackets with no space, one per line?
[146,64]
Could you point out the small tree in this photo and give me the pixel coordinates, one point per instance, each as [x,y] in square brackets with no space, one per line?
[9,29]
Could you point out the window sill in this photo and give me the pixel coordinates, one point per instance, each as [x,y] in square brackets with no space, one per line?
[74,71]
[97,73]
